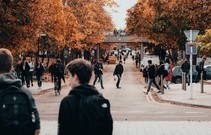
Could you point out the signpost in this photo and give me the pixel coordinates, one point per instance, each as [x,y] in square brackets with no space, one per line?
[191,35]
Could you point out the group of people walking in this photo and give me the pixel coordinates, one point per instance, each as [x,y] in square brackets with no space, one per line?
[79,111]
[25,70]
[98,71]
[152,71]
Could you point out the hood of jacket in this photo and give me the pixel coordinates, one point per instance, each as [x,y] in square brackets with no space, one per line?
[8,79]
[84,90]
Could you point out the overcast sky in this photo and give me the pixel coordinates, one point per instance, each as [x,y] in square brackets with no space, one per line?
[119,17]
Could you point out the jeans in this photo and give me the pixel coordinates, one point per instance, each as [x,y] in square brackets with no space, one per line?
[100,79]
[150,84]
[118,80]
[39,80]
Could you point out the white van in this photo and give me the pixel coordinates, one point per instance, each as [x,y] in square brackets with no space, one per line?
[144,61]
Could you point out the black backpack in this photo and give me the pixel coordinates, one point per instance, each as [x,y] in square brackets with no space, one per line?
[16,116]
[94,114]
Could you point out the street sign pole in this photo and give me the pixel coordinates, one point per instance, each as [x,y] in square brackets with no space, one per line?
[191,63]
[191,35]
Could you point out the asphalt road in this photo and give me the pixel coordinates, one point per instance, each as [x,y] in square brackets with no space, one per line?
[128,103]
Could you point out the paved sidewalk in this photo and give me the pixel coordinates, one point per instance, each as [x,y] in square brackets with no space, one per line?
[176,95]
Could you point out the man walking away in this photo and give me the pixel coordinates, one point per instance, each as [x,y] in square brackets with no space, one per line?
[58,71]
[31,70]
[24,68]
[200,69]
[152,74]
[185,69]
[84,111]
[118,72]
[18,112]
[39,68]
[98,71]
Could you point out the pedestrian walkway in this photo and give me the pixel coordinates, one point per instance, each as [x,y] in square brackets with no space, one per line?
[175,94]
[146,128]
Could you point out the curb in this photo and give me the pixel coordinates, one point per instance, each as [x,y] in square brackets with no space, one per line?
[158,99]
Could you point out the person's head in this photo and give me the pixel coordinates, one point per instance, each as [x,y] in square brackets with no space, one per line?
[80,71]
[6,60]
[58,61]
[204,58]
[120,62]
[149,62]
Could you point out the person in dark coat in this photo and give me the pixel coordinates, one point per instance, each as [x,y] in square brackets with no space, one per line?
[58,72]
[152,74]
[39,69]
[51,71]
[98,71]
[186,68]
[6,80]
[118,72]
[79,72]
[24,68]
[201,70]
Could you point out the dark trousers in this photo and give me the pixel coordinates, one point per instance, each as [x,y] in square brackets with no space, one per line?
[39,80]
[58,78]
[150,84]
[100,79]
[118,80]
[31,78]
[25,79]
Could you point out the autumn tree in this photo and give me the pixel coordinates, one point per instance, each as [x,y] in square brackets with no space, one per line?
[163,21]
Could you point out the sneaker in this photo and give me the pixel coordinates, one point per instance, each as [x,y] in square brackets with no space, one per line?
[159,91]
[118,87]
[146,93]
[32,84]
[102,88]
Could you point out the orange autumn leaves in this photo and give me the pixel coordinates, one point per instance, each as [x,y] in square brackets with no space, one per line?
[163,21]
[74,23]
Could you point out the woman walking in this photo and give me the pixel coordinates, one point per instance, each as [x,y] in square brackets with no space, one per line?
[39,69]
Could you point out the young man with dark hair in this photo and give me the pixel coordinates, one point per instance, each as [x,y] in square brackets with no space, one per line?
[152,74]
[75,113]
[17,122]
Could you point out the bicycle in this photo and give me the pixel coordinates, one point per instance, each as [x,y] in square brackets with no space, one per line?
[56,86]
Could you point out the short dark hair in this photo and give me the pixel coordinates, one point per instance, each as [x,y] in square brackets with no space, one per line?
[6,60]
[82,68]
[150,61]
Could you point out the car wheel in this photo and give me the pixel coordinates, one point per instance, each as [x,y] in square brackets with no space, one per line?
[178,80]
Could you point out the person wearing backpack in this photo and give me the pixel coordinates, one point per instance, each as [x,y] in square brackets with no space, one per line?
[84,111]
[58,72]
[18,112]
[200,69]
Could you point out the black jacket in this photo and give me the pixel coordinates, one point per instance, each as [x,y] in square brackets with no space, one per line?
[7,80]
[98,68]
[151,71]
[39,70]
[118,70]
[68,112]
[185,67]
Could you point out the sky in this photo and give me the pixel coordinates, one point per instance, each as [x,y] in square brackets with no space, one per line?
[119,16]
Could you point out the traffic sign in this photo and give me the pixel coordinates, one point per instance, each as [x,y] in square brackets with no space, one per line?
[191,48]
[191,34]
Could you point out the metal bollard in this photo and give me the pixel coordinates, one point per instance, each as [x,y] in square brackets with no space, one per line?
[161,84]
[184,81]
[202,83]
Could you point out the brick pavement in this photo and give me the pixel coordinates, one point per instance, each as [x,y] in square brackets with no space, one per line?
[146,128]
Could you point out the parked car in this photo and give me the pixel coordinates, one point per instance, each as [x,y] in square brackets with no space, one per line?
[177,73]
